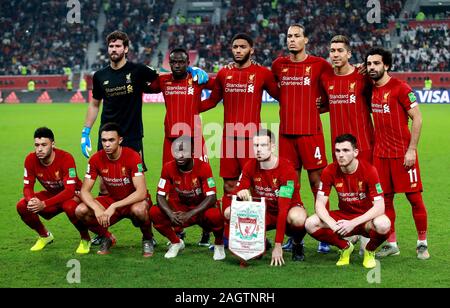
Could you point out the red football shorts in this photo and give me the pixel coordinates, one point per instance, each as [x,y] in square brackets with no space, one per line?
[307,151]
[235,153]
[395,178]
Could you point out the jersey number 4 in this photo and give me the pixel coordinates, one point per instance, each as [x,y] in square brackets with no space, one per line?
[317,154]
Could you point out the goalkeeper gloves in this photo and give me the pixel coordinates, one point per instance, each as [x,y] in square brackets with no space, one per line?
[198,74]
[86,141]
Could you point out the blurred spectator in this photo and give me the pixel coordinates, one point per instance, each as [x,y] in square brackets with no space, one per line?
[37,39]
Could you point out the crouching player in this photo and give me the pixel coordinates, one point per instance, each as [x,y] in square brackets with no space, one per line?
[275,179]
[361,204]
[55,169]
[187,196]
[121,170]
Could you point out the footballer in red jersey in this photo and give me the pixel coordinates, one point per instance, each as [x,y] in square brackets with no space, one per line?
[241,89]
[301,135]
[182,98]
[347,98]
[361,204]
[121,170]
[187,196]
[395,152]
[56,171]
[275,179]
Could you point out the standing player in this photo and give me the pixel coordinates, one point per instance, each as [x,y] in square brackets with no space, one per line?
[187,196]
[182,98]
[301,136]
[347,98]
[395,152]
[122,173]
[361,206]
[56,171]
[275,179]
[241,89]
[120,86]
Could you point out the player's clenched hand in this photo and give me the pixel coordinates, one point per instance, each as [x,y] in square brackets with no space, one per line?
[107,215]
[277,255]
[198,74]
[99,215]
[345,227]
[86,141]
[176,218]
[410,158]
[35,205]
[244,195]
[184,217]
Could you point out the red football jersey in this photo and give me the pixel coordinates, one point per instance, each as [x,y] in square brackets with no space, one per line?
[116,174]
[241,91]
[267,183]
[348,98]
[182,99]
[300,88]
[390,105]
[189,188]
[59,178]
[355,191]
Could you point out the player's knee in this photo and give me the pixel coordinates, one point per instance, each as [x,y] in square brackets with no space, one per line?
[229,186]
[140,211]
[22,206]
[296,217]
[82,211]
[70,206]
[155,213]
[214,216]
[227,213]
[382,224]
[312,224]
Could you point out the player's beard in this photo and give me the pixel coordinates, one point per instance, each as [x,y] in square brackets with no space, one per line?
[118,58]
[295,51]
[243,60]
[378,75]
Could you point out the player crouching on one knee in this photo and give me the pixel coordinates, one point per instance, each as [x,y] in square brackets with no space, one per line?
[361,204]
[187,196]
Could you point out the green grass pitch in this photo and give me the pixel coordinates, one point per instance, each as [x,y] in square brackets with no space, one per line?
[195,267]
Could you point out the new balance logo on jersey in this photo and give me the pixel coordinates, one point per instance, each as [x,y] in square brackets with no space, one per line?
[307,81]
[353,99]
[386,108]
[190,91]
[126,181]
[105,82]
[251,88]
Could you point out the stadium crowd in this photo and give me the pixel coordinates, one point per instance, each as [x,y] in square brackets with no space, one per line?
[143,20]
[30,44]
[37,39]
[267,23]
[423,49]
